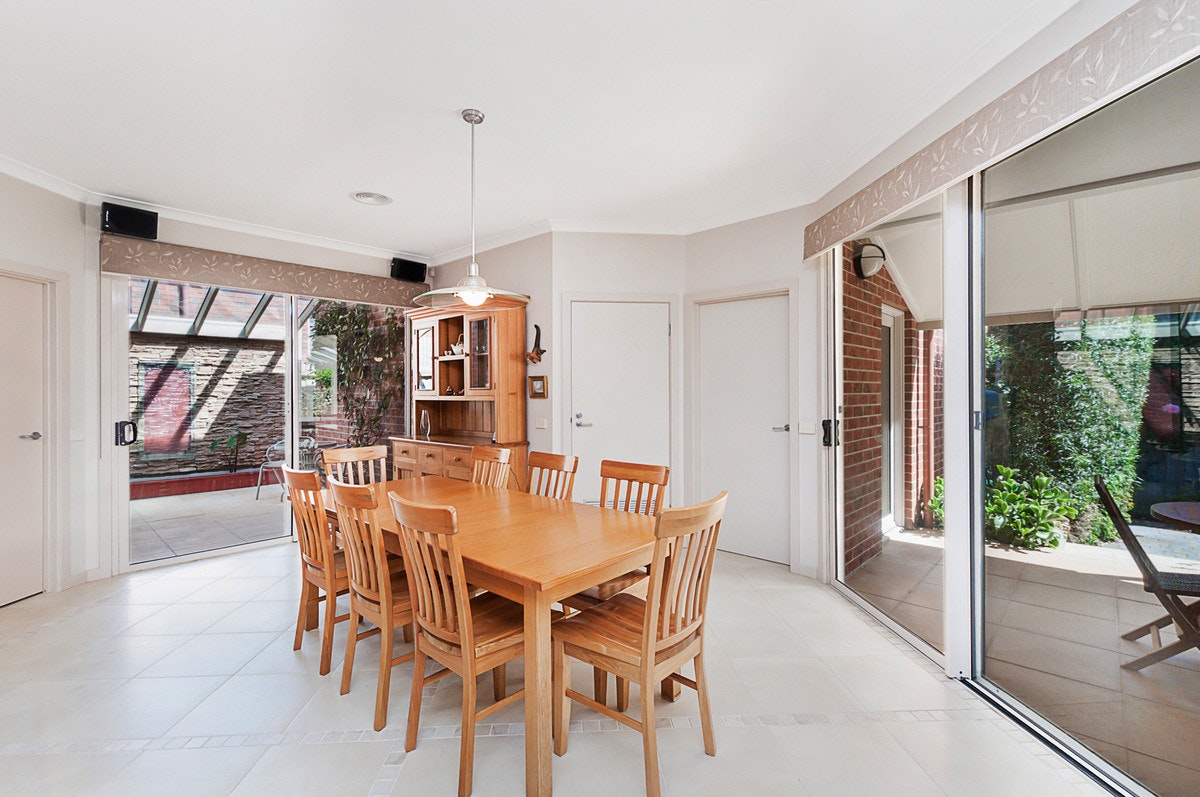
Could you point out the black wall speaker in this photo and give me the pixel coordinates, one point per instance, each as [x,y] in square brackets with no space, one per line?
[407,270]
[135,223]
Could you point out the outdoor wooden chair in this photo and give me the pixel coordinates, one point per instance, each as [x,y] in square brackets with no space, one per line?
[647,640]
[366,465]
[1169,588]
[628,487]
[377,594]
[552,475]
[467,634]
[322,568]
[490,465]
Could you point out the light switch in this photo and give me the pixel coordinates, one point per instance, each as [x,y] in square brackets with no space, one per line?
[540,423]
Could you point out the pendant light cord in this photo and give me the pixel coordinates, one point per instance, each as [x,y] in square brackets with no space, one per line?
[474,268]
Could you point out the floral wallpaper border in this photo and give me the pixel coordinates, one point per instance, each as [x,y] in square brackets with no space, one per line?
[159,260]
[1150,36]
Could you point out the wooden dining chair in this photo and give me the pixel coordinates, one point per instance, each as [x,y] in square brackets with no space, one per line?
[1170,589]
[651,639]
[322,568]
[466,633]
[552,475]
[628,487]
[490,465]
[377,594]
[365,465]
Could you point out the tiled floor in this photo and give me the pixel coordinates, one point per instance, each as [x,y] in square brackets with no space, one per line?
[182,680]
[175,525]
[1052,639]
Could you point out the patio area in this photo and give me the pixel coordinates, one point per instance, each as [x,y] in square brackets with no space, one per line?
[175,525]
[1054,620]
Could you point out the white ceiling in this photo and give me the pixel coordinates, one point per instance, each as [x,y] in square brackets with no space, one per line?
[667,117]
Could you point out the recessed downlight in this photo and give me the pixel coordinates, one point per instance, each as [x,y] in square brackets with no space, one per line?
[371,198]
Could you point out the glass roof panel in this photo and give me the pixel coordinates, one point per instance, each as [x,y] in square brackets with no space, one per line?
[174,307]
[273,323]
[229,312]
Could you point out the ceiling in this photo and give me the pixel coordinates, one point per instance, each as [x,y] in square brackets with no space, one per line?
[666,117]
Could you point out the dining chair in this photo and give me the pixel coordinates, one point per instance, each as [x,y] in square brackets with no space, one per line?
[490,465]
[647,640]
[377,594]
[466,633]
[322,568]
[628,487]
[552,475]
[365,465]
[1170,589]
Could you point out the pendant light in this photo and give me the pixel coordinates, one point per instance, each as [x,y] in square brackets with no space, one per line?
[472,290]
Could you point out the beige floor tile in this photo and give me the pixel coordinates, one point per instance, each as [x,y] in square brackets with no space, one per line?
[1067,600]
[894,683]
[432,768]
[210,654]
[111,657]
[892,771]
[182,618]
[1042,689]
[1069,626]
[748,761]
[141,708]
[258,615]
[60,774]
[304,769]
[1056,656]
[602,765]
[794,687]
[250,704]
[29,711]
[183,773]
[1164,777]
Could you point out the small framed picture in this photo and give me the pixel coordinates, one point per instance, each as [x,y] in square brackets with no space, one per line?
[538,388]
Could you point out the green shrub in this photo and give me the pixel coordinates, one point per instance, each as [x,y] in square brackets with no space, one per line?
[1026,514]
[937,503]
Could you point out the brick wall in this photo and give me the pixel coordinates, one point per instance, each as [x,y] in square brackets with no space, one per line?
[234,385]
[862,427]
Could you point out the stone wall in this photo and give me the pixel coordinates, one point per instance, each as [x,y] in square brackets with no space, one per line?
[184,391]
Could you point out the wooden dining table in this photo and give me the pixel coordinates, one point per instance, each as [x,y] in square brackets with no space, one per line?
[535,551]
[1185,514]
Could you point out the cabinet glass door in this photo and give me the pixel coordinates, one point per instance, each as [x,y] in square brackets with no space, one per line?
[480,335]
[424,361]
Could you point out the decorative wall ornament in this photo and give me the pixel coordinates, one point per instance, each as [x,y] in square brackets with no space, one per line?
[1143,42]
[164,261]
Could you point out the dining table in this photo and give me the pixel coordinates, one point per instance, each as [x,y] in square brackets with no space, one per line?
[535,551]
[1185,514]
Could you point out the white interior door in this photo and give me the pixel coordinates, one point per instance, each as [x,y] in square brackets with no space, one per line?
[22,441]
[620,405]
[744,430]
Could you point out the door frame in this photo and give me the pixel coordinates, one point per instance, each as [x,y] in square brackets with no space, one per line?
[562,407]
[894,319]
[789,288]
[56,565]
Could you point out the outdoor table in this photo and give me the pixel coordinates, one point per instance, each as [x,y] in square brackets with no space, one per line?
[1185,514]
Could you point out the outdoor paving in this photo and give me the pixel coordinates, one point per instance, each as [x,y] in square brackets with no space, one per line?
[1052,638]
[175,525]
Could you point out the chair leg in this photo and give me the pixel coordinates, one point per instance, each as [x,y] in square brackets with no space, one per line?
[466,754]
[560,680]
[408,633]
[706,723]
[622,693]
[600,685]
[649,735]
[351,643]
[384,683]
[327,632]
[307,589]
[498,683]
[1185,642]
[258,489]
[414,700]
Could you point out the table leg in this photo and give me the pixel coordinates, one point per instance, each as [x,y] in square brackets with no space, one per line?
[538,694]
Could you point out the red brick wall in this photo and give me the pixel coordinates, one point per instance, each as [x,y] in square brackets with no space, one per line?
[862,428]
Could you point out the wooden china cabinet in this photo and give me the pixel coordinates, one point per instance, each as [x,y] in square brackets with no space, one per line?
[466,372]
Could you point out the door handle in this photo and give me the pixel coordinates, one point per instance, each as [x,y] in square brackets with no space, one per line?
[787,427]
[579,422]
[31,436]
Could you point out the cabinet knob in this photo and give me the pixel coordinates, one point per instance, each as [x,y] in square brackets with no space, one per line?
[429,456]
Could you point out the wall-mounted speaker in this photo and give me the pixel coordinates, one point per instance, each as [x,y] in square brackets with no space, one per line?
[408,270]
[121,220]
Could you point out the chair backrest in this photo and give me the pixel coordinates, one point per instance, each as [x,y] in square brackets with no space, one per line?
[490,465]
[362,540]
[276,452]
[436,580]
[1140,558]
[631,487]
[552,475]
[312,524]
[366,465]
[684,550]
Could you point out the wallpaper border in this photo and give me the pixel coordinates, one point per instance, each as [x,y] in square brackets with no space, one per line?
[1149,38]
[159,260]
